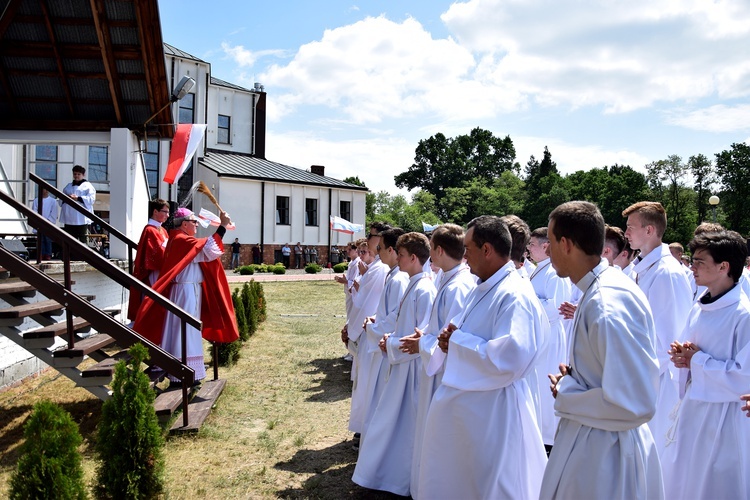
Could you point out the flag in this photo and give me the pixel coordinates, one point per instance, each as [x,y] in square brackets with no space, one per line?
[185,144]
[207,218]
[344,226]
[427,227]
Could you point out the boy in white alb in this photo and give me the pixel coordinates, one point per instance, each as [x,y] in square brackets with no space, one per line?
[386,451]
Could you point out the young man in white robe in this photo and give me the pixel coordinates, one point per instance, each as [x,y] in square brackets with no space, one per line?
[365,298]
[481,438]
[552,291]
[386,451]
[446,252]
[667,288]
[708,453]
[372,360]
[607,387]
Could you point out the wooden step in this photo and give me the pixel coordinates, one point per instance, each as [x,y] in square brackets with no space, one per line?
[200,406]
[45,337]
[102,372]
[167,402]
[73,357]
[17,287]
[14,314]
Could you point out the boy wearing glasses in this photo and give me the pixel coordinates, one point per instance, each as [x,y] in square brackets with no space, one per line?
[149,256]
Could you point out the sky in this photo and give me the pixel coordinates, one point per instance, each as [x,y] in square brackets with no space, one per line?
[355,86]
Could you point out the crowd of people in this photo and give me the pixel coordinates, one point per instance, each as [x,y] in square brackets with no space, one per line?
[576,360]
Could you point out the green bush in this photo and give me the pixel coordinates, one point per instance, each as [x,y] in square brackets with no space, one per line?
[241,314]
[262,268]
[279,269]
[341,267]
[313,268]
[130,441]
[250,302]
[246,270]
[228,354]
[50,464]
[261,300]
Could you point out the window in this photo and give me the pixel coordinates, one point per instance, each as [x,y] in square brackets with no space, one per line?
[345,210]
[46,163]
[223,137]
[185,184]
[98,157]
[311,212]
[151,162]
[282,210]
[186,112]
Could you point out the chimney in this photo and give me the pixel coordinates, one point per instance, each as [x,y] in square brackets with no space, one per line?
[318,169]
[259,149]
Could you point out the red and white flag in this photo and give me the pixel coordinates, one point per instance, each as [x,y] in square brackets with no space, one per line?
[207,218]
[344,226]
[186,140]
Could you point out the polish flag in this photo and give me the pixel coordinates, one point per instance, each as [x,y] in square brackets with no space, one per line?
[187,138]
[344,226]
[207,218]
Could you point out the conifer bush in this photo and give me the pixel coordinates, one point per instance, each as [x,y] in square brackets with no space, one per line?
[279,269]
[50,463]
[340,268]
[250,301]
[313,268]
[246,270]
[130,440]
[240,314]
[261,300]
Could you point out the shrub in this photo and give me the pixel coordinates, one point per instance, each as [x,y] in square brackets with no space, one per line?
[262,268]
[250,304]
[313,268]
[129,440]
[279,269]
[246,270]
[261,300]
[241,314]
[341,267]
[50,464]
[228,354]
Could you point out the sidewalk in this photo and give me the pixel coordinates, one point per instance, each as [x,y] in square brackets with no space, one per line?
[291,275]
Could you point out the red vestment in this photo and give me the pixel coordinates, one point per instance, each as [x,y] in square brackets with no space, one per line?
[149,257]
[217,309]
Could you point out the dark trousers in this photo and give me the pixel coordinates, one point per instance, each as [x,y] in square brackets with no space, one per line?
[78,232]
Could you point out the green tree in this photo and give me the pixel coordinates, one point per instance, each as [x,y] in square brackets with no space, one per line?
[667,179]
[50,464]
[355,180]
[704,178]
[733,171]
[545,190]
[500,198]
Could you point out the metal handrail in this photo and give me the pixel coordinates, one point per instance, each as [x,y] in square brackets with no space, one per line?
[41,183]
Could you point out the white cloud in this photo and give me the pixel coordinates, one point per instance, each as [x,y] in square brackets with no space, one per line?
[245,57]
[718,118]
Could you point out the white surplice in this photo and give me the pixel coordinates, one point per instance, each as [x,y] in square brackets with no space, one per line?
[352,271]
[364,304]
[481,438]
[371,358]
[667,288]
[386,449]
[603,447]
[86,197]
[552,291]
[455,286]
[708,455]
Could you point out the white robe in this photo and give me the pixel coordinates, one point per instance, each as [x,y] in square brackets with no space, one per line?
[371,358]
[745,282]
[364,304]
[667,288]
[552,291]
[186,292]
[481,438]
[708,456]
[455,286]
[352,271]
[603,449]
[386,449]
[86,196]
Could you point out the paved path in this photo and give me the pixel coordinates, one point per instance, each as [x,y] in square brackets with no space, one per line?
[291,275]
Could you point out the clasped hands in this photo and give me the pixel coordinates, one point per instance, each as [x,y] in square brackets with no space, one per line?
[681,353]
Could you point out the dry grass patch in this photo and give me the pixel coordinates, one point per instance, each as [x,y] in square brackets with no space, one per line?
[278,431]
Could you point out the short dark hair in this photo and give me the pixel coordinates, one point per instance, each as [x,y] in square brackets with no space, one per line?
[616,238]
[723,246]
[450,237]
[389,237]
[629,249]
[519,233]
[380,226]
[491,229]
[652,213]
[540,233]
[156,204]
[415,244]
[708,227]
[582,223]
[79,168]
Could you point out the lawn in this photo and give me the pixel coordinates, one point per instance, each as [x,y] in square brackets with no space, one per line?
[278,431]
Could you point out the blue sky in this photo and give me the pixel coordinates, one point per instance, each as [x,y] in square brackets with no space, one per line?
[355,86]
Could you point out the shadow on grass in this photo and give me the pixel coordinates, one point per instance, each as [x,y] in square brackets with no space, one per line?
[84,413]
[335,383]
[332,470]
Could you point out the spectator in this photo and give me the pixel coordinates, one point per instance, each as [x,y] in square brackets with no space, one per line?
[286,254]
[235,254]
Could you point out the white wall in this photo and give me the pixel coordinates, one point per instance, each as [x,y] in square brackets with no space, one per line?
[238,106]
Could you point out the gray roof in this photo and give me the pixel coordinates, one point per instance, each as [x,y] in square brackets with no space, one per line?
[222,83]
[171,50]
[245,166]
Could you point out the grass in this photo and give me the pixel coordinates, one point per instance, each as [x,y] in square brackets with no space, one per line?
[278,431]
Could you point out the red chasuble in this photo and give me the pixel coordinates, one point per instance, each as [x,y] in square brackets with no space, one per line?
[149,257]
[217,310]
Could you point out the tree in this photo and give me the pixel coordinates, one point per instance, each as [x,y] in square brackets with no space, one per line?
[733,171]
[667,181]
[355,180]
[504,196]
[545,190]
[704,178]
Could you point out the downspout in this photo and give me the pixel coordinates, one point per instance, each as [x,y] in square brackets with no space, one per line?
[329,223]
[262,217]
[205,114]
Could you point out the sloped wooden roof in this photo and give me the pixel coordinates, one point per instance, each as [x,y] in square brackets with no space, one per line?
[82,65]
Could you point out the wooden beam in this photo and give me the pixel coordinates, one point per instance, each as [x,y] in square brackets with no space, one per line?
[58,59]
[42,49]
[110,65]
[8,15]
